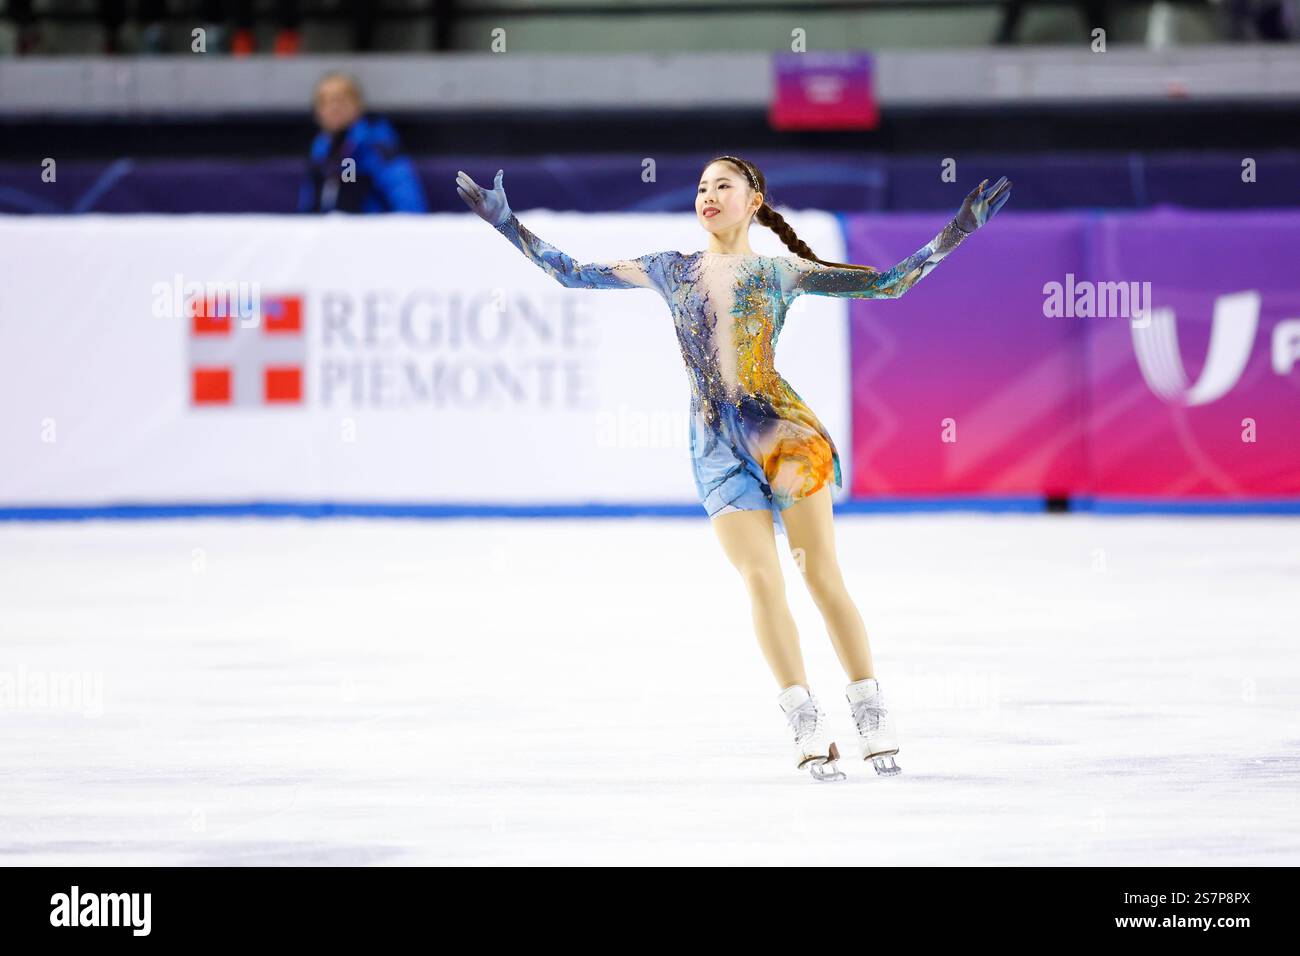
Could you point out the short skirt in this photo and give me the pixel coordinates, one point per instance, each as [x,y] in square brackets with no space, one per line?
[746,458]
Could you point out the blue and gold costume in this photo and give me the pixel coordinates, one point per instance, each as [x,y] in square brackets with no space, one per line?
[755,444]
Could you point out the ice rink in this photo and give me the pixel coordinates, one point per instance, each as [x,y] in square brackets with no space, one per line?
[1069,689]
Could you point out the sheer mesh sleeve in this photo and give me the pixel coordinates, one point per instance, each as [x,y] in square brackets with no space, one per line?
[804,275]
[642,272]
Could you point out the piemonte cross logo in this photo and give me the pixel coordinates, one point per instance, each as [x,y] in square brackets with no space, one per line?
[255,364]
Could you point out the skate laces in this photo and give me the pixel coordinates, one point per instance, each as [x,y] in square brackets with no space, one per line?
[868,716]
[806,719]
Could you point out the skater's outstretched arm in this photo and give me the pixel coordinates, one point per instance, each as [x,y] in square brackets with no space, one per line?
[867,283]
[491,205]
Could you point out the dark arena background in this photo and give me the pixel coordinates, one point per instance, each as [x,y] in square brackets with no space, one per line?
[336,533]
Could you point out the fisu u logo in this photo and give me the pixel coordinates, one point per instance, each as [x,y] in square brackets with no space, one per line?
[1232,335]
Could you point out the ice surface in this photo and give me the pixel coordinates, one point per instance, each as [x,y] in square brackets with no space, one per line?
[1068,689]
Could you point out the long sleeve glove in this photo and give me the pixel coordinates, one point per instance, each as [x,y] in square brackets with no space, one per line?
[867,283]
[492,207]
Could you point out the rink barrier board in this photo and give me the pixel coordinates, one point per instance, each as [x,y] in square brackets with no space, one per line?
[1070,405]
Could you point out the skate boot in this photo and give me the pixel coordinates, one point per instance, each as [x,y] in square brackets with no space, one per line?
[878,741]
[812,748]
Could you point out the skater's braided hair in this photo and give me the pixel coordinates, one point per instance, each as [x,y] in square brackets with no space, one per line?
[767,216]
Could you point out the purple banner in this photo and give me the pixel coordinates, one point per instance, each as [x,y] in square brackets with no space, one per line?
[1201,398]
[1129,355]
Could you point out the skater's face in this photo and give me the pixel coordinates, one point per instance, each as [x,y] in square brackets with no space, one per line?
[725,189]
[338,104]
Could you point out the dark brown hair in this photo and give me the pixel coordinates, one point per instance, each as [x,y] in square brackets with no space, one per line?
[767,216]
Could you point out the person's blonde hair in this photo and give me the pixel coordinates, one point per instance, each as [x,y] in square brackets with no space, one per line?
[347,78]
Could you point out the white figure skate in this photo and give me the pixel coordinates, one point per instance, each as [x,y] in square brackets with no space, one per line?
[812,748]
[878,740]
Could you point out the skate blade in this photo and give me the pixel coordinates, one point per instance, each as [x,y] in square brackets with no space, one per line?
[820,776]
[885,765]
[817,766]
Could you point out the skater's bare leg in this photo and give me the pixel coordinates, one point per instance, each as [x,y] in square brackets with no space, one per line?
[811,533]
[749,540]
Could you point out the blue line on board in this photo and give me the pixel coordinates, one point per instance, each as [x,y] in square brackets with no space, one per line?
[338,509]
[1235,506]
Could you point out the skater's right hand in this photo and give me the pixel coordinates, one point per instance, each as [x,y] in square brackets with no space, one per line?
[489,204]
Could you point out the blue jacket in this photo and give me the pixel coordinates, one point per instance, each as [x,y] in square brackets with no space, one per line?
[385,181]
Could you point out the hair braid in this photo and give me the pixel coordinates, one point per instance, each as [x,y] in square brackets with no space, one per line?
[767,216]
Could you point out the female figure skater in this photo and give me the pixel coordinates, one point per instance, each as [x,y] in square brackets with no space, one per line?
[762,460]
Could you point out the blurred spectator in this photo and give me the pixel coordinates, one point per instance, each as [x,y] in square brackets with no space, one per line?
[29,38]
[288,17]
[379,179]
[112,14]
[1094,16]
[238,37]
[1261,20]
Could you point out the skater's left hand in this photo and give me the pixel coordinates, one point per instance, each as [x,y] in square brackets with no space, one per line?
[982,203]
